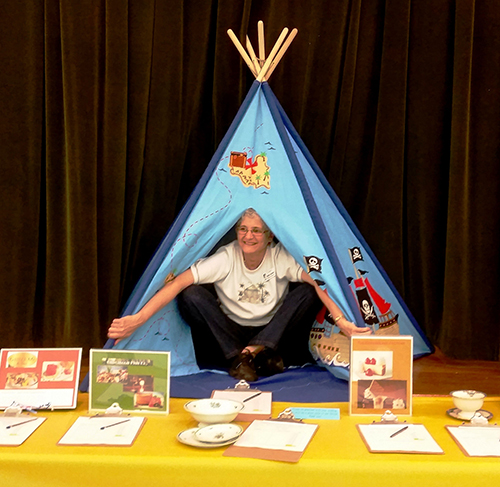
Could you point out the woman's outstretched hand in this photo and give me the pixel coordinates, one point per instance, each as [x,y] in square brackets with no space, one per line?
[123,327]
[349,329]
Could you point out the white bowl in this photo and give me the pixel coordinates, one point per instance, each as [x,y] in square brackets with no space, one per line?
[211,411]
[468,401]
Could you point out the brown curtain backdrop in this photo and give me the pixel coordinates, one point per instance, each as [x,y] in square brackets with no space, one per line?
[111,110]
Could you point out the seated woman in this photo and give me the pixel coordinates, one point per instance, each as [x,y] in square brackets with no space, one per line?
[254,322]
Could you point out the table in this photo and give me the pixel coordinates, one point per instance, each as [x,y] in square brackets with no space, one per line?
[336,457]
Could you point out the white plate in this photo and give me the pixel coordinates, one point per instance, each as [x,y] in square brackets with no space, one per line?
[459,414]
[219,433]
[188,438]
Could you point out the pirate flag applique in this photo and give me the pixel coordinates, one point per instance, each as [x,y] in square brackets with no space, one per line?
[313,263]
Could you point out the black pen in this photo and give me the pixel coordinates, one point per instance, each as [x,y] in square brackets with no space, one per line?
[19,424]
[252,396]
[114,424]
[399,431]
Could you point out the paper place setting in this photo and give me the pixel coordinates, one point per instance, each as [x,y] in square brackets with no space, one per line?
[15,430]
[273,440]
[398,438]
[102,430]
[477,441]
[257,404]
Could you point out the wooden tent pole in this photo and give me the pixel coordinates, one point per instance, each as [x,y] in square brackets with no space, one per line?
[260,67]
[272,54]
[281,53]
[262,42]
[253,57]
[242,51]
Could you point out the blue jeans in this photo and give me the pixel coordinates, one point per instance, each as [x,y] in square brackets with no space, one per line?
[218,339]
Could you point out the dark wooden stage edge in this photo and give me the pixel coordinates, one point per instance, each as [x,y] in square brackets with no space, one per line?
[437,374]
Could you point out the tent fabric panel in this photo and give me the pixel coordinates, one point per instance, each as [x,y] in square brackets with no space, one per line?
[174,230]
[332,196]
[291,196]
[309,198]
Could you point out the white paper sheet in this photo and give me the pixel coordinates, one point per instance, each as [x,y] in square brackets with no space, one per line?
[407,438]
[111,431]
[253,403]
[277,435]
[15,430]
[477,441]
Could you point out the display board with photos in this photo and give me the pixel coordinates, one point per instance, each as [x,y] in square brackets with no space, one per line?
[381,375]
[45,378]
[137,380]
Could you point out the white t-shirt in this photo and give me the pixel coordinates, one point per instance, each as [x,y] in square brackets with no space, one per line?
[248,297]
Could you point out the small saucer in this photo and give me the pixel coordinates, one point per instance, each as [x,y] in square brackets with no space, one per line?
[458,414]
[188,437]
[219,433]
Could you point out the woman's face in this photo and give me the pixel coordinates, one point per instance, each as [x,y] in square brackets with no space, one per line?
[255,239]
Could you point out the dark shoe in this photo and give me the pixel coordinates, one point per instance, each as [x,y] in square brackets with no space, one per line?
[243,367]
[268,362]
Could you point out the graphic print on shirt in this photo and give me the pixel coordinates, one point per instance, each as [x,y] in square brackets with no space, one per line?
[253,293]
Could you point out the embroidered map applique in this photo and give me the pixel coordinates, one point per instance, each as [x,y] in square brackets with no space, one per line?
[251,171]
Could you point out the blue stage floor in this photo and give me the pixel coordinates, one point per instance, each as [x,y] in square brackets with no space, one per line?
[306,384]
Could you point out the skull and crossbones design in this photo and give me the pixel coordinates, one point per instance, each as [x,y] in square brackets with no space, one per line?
[367,310]
[313,263]
[356,254]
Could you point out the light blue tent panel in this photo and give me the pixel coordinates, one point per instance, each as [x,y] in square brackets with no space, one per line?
[299,206]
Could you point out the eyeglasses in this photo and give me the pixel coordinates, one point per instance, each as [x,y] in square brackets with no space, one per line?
[255,231]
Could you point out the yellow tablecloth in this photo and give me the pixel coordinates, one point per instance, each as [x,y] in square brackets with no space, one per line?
[336,456]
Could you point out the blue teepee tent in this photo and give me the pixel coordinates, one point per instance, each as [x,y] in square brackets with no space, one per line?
[263,164]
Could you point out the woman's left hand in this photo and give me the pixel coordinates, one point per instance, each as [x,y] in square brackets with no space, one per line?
[349,329]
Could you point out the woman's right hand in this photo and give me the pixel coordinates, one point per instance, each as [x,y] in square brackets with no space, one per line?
[123,327]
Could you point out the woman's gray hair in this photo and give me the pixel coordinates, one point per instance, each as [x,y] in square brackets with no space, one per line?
[250,212]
